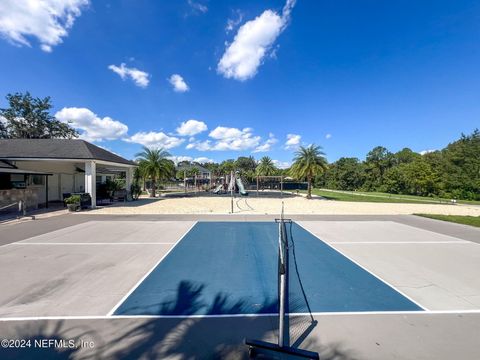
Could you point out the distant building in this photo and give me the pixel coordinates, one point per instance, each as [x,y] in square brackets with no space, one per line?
[203,173]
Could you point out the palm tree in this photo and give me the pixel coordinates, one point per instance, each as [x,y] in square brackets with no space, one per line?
[142,172]
[266,167]
[308,162]
[153,163]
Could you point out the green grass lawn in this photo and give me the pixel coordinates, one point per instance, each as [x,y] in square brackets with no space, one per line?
[361,196]
[423,198]
[465,220]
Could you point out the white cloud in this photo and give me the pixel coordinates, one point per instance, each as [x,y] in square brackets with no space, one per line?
[202,160]
[155,139]
[233,23]
[281,164]
[423,152]
[197,6]
[328,136]
[221,132]
[267,145]
[252,42]
[139,77]
[46,20]
[293,140]
[92,127]
[176,159]
[234,139]
[226,138]
[200,145]
[179,85]
[191,127]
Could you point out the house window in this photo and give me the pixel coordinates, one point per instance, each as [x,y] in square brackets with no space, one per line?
[37,180]
[18,181]
[18,177]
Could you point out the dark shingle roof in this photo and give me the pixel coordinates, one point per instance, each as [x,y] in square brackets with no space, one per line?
[56,149]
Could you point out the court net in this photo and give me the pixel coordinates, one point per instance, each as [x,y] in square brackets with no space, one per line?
[299,321]
[295,319]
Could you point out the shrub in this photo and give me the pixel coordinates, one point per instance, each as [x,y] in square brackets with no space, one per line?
[74,199]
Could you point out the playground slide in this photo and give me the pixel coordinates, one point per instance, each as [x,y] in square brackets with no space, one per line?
[218,189]
[241,188]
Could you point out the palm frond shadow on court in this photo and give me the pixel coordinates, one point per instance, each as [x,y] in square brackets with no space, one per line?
[169,337]
[206,337]
[40,335]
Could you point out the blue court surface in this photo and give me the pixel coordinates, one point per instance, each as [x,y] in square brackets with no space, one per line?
[231,268]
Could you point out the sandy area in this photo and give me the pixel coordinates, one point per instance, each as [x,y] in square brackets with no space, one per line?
[293,205]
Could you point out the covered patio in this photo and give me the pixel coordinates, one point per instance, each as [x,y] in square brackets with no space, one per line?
[72,166]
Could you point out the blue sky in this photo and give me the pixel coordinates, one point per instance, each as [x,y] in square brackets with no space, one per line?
[256,77]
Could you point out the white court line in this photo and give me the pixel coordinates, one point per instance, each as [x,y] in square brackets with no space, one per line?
[401,242]
[67,230]
[364,268]
[434,232]
[110,313]
[325,313]
[95,243]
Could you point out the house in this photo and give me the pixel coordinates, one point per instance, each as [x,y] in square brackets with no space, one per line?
[202,172]
[40,171]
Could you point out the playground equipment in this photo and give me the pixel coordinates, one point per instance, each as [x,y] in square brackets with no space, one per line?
[241,188]
[231,183]
[270,183]
[218,189]
[278,183]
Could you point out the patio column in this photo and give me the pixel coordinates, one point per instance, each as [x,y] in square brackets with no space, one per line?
[91,181]
[129,180]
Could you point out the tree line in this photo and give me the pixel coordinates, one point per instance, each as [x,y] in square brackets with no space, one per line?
[452,172]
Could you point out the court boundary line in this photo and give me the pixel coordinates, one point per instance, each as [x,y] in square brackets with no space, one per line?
[122,300]
[325,313]
[82,224]
[67,228]
[95,243]
[364,268]
[461,242]
[434,232]
[397,222]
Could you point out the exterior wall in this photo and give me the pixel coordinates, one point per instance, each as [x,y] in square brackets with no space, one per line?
[65,178]
[79,182]
[30,195]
